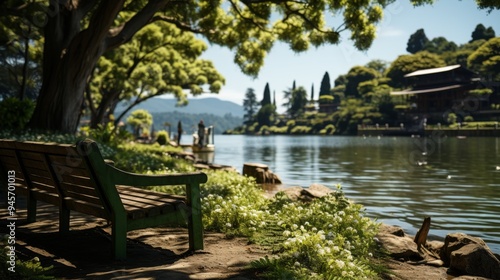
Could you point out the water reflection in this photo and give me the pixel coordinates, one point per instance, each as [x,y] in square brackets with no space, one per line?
[399,180]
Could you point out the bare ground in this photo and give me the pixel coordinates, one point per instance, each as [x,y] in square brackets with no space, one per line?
[156,253]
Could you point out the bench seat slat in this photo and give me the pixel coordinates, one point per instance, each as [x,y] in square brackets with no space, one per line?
[140,203]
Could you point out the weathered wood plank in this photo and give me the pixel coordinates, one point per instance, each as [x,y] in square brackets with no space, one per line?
[62,170]
[45,196]
[8,159]
[70,161]
[87,208]
[79,189]
[82,197]
[34,172]
[46,148]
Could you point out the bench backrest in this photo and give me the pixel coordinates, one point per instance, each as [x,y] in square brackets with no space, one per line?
[57,174]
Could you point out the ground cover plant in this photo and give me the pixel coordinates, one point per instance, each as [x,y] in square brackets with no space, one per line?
[327,238]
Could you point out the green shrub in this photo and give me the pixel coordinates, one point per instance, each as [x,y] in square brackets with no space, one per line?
[15,113]
[328,130]
[301,130]
[451,118]
[278,130]
[141,158]
[162,137]
[264,129]
[326,99]
[469,119]
[106,133]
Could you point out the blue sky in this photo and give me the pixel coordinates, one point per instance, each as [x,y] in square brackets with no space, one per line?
[453,19]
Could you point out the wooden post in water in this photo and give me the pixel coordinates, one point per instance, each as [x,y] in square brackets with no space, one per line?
[421,236]
[256,170]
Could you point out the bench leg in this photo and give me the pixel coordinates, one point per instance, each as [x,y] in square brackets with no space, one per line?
[195,225]
[64,215]
[31,207]
[119,236]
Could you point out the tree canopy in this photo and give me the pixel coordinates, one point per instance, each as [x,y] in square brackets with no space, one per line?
[482,33]
[486,59]
[406,64]
[76,34]
[160,59]
[417,41]
[356,75]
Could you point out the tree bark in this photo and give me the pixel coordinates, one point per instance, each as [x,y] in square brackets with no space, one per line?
[69,58]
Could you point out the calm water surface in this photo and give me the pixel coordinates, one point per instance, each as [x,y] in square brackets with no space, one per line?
[398,180]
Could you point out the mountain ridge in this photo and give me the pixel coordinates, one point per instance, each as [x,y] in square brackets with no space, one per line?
[209,105]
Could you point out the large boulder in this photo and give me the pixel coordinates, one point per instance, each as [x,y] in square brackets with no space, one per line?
[307,194]
[455,241]
[397,244]
[475,259]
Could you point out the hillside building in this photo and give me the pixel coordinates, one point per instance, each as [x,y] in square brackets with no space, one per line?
[436,92]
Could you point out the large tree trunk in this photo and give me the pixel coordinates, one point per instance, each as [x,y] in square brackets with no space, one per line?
[68,59]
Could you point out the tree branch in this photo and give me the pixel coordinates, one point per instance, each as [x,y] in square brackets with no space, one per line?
[125,32]
[181,25]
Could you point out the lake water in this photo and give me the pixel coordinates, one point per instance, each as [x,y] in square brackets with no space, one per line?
[399,180]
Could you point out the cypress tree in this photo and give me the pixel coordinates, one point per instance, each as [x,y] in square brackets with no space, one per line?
[267,96]
[325,85]
[312,93]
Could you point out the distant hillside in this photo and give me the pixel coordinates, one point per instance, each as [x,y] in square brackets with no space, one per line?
[190,121]
[209,105]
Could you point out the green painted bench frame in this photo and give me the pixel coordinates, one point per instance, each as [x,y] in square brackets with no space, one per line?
[77,178]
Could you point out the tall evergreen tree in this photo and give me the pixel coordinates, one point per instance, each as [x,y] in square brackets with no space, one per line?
[250,105]
[294,86]
[417,41]
[312,93]
[298,101]
[325,87]
[267,96]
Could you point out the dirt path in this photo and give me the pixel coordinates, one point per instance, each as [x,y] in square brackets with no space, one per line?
[157,253]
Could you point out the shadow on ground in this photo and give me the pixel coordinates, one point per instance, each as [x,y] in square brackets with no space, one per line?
[155,253]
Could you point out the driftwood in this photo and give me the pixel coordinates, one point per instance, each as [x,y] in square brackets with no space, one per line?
[421,236]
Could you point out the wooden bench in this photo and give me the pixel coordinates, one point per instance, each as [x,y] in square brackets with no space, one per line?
[76,177]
